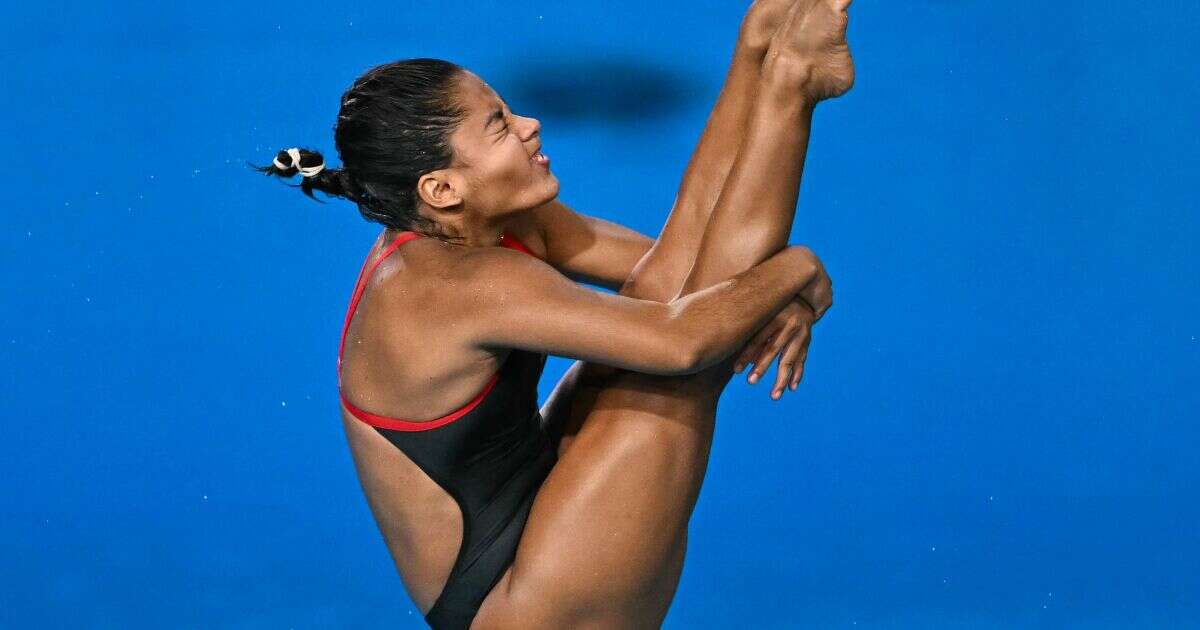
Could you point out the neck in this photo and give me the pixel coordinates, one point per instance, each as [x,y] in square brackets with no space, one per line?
[469,234]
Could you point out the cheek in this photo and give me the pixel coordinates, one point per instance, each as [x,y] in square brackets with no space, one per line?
[511,168]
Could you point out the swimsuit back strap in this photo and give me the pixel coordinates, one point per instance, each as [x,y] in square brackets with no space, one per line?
[360,285]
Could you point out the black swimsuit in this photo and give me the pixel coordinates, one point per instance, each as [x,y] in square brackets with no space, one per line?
[491,456]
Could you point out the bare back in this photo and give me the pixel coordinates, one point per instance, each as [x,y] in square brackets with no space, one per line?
[394,370]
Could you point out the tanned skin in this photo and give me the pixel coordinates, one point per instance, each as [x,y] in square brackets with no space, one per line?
[604,544]
[605,541]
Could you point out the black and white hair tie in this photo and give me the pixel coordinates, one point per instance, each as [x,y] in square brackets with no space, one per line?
[306,171]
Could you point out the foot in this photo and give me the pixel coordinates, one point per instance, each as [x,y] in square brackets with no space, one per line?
[811,46]
[762,20]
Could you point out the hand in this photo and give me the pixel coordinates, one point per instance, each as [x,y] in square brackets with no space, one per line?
[787,336]
[762,19]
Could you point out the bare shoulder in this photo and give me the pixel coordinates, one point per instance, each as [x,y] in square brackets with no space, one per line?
[457,281]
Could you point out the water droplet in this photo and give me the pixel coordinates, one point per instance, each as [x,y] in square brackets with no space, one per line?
[283,403]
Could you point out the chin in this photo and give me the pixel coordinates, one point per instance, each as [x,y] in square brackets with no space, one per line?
[548,192]
[552,188]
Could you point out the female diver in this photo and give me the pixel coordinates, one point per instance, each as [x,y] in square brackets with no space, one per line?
[496,515]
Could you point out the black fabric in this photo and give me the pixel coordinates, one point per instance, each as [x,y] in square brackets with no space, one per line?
[492,462]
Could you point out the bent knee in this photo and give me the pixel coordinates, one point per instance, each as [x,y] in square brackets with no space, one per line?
[657,280]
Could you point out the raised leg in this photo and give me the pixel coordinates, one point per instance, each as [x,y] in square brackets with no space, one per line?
[604,540]
[662,271]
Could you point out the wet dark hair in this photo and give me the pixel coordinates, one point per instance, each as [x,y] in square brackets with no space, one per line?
[393,126]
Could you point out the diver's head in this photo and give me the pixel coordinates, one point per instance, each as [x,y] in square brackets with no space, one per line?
[427,145]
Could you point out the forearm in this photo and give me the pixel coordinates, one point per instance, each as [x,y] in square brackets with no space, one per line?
[715,322]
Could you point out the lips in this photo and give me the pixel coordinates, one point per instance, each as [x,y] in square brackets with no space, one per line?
[541,159]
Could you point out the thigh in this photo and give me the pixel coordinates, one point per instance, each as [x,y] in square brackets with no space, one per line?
[604,537]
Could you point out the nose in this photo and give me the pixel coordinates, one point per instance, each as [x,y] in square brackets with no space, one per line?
[532,127]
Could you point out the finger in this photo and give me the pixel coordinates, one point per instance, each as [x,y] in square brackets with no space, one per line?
[768,354]
[753,348]
[746,358]
[798,370]
[787,361]
[756,351]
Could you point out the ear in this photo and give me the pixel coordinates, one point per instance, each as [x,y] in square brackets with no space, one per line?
[441,190]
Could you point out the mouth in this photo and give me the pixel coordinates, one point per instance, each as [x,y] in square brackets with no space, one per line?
[541,159]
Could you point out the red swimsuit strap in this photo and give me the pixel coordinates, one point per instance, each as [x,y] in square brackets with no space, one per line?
[360,286]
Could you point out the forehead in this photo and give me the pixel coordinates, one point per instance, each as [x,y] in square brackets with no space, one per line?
[477,96]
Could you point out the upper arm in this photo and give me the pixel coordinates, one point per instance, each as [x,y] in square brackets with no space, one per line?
[587,248]
[512,300]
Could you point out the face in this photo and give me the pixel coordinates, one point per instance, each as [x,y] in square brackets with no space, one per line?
[494,171]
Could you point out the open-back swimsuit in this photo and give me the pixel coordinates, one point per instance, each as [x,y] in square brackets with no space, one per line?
[491,456]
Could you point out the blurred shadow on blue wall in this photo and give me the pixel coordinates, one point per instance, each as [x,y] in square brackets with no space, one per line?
[600,89]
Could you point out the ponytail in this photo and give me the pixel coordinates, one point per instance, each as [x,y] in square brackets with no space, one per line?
[394,125]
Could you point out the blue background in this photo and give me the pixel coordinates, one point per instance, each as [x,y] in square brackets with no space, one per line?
[997,427]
